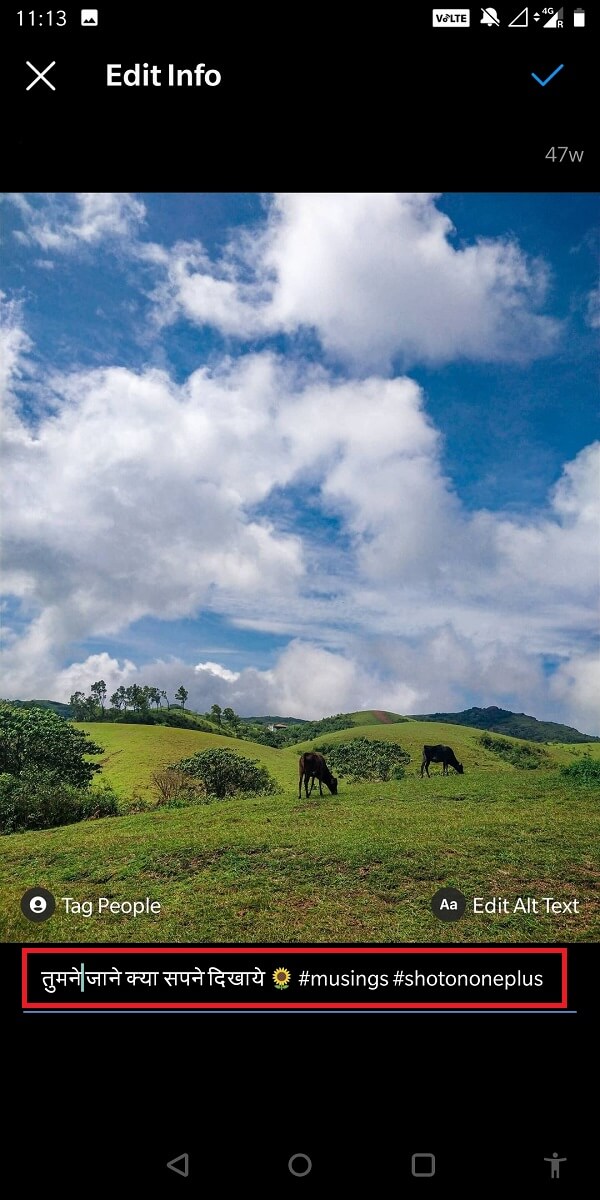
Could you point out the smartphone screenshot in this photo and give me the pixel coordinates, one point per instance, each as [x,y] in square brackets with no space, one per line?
[300,721]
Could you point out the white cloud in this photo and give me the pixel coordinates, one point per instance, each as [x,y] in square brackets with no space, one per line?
[132,500]
[62,221]
[14,344]
[139,497]
[555,556]
[215,669]
[576,685]
[593,308]
[439,672]
[376,275]
[289,687]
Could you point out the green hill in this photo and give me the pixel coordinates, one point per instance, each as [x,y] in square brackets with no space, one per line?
[412,734]
[501,720]
[375,716]
[132,753]
[360,866]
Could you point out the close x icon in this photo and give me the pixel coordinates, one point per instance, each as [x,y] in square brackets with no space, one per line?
[40,76]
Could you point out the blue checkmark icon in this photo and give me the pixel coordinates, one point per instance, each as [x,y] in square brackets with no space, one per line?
[543,82]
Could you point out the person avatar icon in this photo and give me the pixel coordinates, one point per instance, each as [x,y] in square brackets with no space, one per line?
[555,1162]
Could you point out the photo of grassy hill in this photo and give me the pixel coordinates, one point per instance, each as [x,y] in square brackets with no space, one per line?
[331,459]
[358,866]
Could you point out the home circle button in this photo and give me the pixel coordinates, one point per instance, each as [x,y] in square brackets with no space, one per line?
[300,1165]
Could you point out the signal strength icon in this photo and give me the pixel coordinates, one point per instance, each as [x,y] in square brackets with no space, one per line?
[555,21]
[521,20]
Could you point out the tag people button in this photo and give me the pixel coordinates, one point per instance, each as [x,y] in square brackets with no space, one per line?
[37,904]
[448,904]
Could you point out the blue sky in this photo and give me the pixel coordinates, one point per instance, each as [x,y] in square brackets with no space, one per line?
[304,453]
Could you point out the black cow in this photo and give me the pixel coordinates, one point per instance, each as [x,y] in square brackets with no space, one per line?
[313,766]
[443,754]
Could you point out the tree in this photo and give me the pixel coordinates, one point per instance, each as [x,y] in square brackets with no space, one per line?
[181,695]
[216,713]
[36,740]
[164,694]
[116,700]
[154,696]
[98,691]
[91,709]
[136,698]
[231,718]
[79,706]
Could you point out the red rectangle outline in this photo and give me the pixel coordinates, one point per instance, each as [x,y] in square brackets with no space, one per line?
[249,1006]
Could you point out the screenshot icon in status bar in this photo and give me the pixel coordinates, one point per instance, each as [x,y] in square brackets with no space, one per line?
[526,18]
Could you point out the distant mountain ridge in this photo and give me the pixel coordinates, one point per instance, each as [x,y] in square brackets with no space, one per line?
[501,720]
[62,710]
[274,720]
[494,719]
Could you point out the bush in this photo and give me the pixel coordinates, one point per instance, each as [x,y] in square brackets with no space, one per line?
[177,789]
[43,801]
[527,758]
[366,758]
[586,772]
[99,801]
[225,773]
[136,803]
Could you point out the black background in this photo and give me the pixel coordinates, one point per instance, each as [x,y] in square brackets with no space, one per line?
[304,102]
[312,99]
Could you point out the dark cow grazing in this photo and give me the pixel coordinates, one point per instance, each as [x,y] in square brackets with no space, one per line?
[313,766]
[443,754]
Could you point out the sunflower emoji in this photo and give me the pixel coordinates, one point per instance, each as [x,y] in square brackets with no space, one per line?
[281,978]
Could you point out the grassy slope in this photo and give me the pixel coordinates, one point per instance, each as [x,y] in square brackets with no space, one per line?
[134,752]
[413,735]
[361,866]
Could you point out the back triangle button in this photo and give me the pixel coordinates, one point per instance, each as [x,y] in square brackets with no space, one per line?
[180,1165]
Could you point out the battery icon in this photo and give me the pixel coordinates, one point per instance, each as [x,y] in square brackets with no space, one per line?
[579,18]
